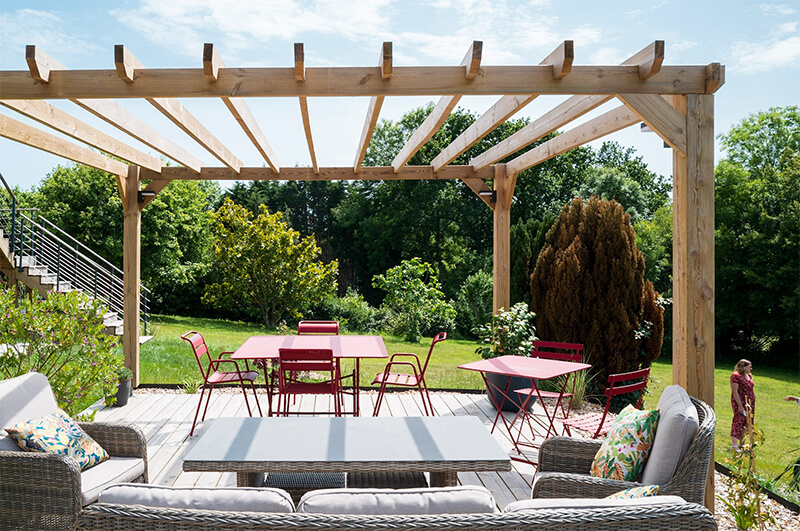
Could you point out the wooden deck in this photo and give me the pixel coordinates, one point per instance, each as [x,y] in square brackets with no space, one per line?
[166,418]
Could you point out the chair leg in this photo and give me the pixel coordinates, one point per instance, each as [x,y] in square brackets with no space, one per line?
[255,396]
[428,395]
[199,403]
[246,403]
[379,400]
[208,401]
[422,396]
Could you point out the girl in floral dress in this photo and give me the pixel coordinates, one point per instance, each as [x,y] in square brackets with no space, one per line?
[742,399]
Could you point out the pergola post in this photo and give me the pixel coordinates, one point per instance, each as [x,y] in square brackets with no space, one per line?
[504,189]
[131,268]
[693,257]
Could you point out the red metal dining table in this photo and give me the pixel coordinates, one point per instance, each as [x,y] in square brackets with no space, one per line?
[531,368]
[265,348]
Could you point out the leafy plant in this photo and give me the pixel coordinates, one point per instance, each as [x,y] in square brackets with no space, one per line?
[124,373]
[191,385]
[743,496]
[62,337]
[413,293]
[793,471]
[474,302]
[509,332]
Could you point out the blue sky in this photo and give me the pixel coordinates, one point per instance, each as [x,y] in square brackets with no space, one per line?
[758,42]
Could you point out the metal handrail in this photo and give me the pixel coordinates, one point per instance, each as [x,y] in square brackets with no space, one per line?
[67,259]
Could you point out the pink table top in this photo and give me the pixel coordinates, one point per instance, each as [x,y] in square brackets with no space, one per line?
[266,347]
[535,368]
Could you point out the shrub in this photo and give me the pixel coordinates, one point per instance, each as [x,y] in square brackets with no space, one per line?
[415,296]
[352,311]
[588,287]
[511,332]
[63,338]
[474,303]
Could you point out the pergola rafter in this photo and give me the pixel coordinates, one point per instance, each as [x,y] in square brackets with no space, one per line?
[675,101]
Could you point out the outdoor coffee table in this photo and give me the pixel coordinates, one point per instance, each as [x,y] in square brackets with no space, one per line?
[254,446]
[264,349]
[534,369]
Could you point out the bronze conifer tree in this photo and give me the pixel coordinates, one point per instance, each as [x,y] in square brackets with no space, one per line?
[588,287]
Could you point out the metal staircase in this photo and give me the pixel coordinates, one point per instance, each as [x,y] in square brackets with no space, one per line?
[46,258]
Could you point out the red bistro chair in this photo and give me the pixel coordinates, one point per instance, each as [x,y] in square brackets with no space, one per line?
[552,350]
[599,424]
[415,379]
[212,376]
[293,362]
[318,327]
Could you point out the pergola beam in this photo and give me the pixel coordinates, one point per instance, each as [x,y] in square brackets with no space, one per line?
[603,125]
[212,62]
[662,118]
[41,65]
[561,59]
[374,109]
[127,66]
[439,115]
[36,138]
[354,81]
[648,60]
[346,173]
[299,75]
[62,121]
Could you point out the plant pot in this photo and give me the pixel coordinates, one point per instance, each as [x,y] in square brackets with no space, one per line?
[123,392]
[513,402]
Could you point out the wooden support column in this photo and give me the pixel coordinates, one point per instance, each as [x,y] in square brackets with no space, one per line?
[693,257]
[131,268]
[504,188]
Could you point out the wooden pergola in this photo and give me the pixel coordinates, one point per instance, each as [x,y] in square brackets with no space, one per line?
[677,102]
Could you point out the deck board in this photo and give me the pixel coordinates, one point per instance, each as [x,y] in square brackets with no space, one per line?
[166,418]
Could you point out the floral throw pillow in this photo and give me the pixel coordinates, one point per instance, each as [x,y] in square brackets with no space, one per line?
[59,434]
[635,492]
[627,445]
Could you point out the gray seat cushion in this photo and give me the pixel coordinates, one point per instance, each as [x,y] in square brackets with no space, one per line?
[677,427]
[588,503]
[116,470]
[21,399]
[232,499]
[445,500]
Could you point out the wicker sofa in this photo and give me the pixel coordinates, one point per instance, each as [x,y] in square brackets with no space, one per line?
[48,491]
[468,507]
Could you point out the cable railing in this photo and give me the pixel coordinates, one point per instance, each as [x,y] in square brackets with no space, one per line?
[45,249]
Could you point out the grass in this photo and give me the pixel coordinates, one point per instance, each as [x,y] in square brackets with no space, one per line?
[167,359]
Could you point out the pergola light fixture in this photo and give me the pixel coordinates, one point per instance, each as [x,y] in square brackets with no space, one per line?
[141,194]
[491,194]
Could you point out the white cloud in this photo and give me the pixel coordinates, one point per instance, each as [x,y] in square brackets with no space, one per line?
[605,56]
[788,27]
[752,58]
[777,9]
[44,29]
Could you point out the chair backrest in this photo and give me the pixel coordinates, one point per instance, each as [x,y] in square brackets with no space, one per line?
[638,379]
[553,350]
[198,343]
[441,336]
[296,360]
[23,398]
[318,327]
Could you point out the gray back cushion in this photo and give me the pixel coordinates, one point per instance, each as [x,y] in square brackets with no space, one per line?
[233,499]
[677,427]
[445,500]
[21,399]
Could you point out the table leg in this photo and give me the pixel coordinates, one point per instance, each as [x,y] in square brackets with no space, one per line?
[250,479]
[447,478]
[356,390]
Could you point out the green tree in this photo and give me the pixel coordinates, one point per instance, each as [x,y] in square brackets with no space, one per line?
[414,295]
[474,303]
[265,267]
[611,183]
[588,287]
[84,202]
[526,241]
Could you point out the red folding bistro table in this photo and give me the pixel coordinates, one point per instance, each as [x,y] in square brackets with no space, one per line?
[265,348]
[533,369]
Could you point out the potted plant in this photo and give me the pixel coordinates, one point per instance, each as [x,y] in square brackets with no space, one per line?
[510,332]
[124,376]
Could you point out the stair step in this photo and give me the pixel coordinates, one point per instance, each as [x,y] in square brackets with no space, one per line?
[144,339]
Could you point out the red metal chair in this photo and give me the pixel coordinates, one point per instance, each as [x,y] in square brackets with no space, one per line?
[318,327]
[294,362]
[552,350]
[618,384]
[415,379]
[213,376]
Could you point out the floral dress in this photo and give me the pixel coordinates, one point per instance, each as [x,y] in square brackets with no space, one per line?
[747,396]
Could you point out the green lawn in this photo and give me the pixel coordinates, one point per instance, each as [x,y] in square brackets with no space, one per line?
[168,359]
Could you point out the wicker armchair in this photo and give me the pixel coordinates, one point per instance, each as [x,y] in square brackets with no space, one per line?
[564,464]
[48,491]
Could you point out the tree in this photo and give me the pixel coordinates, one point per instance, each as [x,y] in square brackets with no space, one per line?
[84,202]
[612,183]
[588,287]
[265,267]
[414,295]
[527,240]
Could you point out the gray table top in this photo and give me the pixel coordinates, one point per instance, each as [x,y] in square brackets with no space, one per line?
[347,443]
